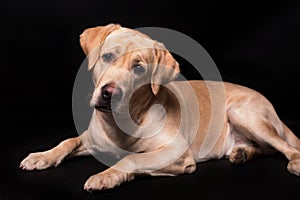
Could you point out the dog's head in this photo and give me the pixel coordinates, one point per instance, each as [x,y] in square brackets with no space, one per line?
[126,64]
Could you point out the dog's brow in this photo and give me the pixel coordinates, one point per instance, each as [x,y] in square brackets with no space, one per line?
[138,58]
[115,49]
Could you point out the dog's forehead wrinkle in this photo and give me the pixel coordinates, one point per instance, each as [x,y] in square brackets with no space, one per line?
[129,39]
[114,48]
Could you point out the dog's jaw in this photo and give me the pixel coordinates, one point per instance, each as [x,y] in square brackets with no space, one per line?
[103,108]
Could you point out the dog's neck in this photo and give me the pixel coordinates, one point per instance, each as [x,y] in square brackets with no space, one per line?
[140,103]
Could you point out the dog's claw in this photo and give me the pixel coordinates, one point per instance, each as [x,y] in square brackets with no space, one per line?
[88,189]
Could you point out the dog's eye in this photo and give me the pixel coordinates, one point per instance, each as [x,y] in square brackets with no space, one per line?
[108,57]
[138,69]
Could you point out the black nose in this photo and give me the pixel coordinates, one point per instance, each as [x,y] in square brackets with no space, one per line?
[110,92]
[106,92]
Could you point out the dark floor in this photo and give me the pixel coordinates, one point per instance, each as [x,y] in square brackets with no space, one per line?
[264,177]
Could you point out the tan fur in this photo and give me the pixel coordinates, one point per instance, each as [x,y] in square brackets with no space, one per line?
[250,125]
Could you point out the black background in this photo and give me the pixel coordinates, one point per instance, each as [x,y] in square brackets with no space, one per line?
[255,44]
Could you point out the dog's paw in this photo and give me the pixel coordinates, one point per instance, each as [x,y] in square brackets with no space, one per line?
[37,161]
[294,167]
[106,180]
[101,181]
[238,156]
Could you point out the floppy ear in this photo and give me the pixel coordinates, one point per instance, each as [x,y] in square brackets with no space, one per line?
[165,68]
[92,39]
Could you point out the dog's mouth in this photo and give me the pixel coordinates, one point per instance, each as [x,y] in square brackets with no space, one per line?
[106,108]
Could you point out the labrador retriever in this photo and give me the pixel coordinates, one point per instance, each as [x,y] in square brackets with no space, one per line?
[140,110]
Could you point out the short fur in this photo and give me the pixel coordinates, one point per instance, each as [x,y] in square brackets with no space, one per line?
[251,126]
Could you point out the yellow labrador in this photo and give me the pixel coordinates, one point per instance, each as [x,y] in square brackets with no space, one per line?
[122,60]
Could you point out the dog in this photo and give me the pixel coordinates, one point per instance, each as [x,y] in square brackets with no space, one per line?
[134,84]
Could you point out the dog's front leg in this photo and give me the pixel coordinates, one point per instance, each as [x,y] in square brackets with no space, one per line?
[168,161]
[53,157]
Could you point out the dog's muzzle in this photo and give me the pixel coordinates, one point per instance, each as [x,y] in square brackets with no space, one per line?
[110,95]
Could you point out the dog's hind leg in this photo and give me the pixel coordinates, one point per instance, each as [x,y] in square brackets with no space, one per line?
[259,122]
[291,138]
